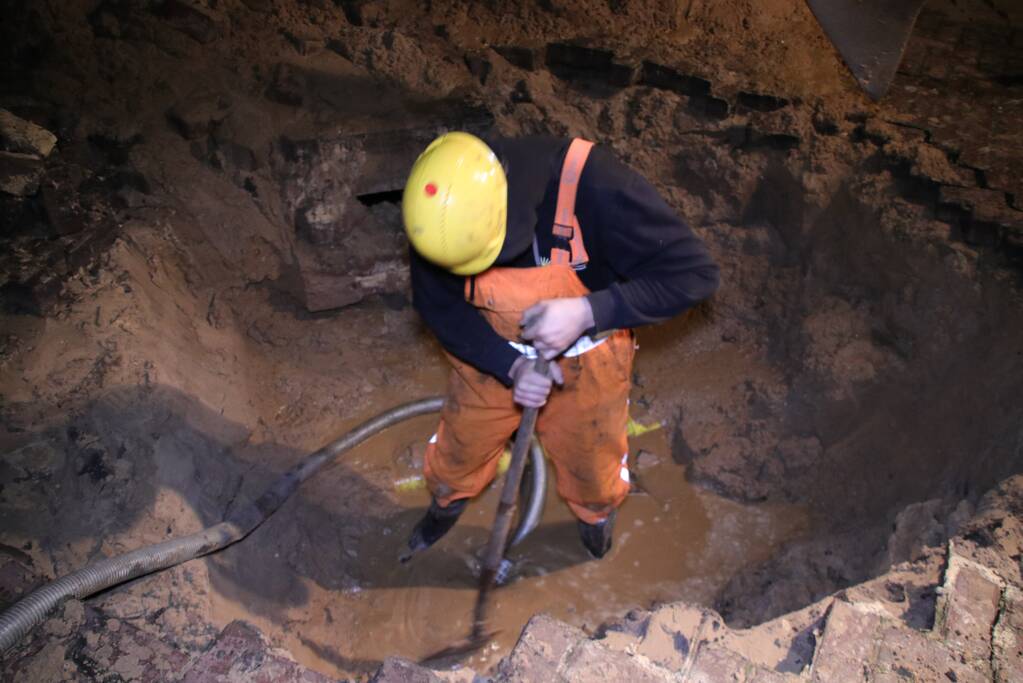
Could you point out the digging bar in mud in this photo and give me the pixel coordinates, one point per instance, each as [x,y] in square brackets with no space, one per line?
[870,35]
[498,543]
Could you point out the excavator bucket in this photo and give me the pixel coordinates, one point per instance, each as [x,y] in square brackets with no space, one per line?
[870,35]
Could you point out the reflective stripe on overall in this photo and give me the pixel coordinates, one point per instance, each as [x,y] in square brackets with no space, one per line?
[583,425]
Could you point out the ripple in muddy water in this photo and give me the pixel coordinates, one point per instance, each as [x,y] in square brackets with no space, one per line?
[673,541]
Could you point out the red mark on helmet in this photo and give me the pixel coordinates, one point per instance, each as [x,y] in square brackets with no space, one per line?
[430,189]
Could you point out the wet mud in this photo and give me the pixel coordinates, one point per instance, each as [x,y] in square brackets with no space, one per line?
[672,541]
[205,279]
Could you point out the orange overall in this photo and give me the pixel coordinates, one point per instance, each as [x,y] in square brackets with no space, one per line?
[583,424]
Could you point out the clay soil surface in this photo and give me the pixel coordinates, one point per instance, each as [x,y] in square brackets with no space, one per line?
[207,281]
[673,541]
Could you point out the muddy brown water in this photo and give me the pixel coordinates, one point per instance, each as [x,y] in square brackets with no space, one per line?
[673,541]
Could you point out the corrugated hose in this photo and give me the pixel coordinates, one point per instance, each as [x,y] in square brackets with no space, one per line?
[24,615]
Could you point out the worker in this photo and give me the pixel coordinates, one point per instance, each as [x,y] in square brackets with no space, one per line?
[548,246]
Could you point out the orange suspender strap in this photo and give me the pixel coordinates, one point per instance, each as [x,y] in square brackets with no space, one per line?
[565,223]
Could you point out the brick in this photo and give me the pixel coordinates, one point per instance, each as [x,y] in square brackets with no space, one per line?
[888,677]
[666,78]
[903,649]
[288,85]
[950,33]
[240,653]
[323,290]
[261,6]
[672,633]
[523,57]
[968,607]
[305,43]
[713,664]
[928,161]
[566,60]
[540,650]
[929,22]
[479,66]
[619,640]
[987,34]
[992,60]
[397,670]
[192,19]
[592,662]
[708,107]
[988,206]
[20,174]
[1007,645]
[848,647]
[120,648]
[760,102]
[786,643]
[24,137]
[761,675]
[937,69]
[198,114]
[625,634]
[915,58]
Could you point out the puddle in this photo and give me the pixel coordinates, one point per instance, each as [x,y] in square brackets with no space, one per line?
[672,542]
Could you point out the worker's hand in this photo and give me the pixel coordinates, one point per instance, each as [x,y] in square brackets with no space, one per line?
[531,388]
[554,325]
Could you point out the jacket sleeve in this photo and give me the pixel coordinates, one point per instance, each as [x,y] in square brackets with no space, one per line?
[660,266]
[439,298]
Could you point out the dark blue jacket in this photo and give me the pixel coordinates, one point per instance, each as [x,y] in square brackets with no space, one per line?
[645,266]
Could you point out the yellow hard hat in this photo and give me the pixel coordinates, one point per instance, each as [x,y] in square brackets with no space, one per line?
[455,204]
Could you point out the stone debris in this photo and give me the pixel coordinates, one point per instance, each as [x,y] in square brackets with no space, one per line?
[348,242]
[850,645]
[695,643]
[671,632]
[541,650]
[397,670]
[1007,650]
[916,526]
[848,637]
[984,206]
[199,114]
[968,607]
[569,60]
[301,166]
[861,641]
[24,147]
[977,636]
[20,173]
[24,137]
[970,60]
[520,56]
[18,575]
[242,654]
[903,653]
[713,663]
[328,290]
[288,86]
[590,661]
[261,6]
[645,459]
[193,19]
[80,643]
[306,42]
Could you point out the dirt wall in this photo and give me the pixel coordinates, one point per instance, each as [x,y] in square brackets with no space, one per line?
[209,278]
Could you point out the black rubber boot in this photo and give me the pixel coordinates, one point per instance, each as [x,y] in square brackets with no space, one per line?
[435,523]
[597,537]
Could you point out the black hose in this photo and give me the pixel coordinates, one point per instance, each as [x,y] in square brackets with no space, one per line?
[24,615]
[533,492]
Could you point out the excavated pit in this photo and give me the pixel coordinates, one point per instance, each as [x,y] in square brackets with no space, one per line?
[206,286]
